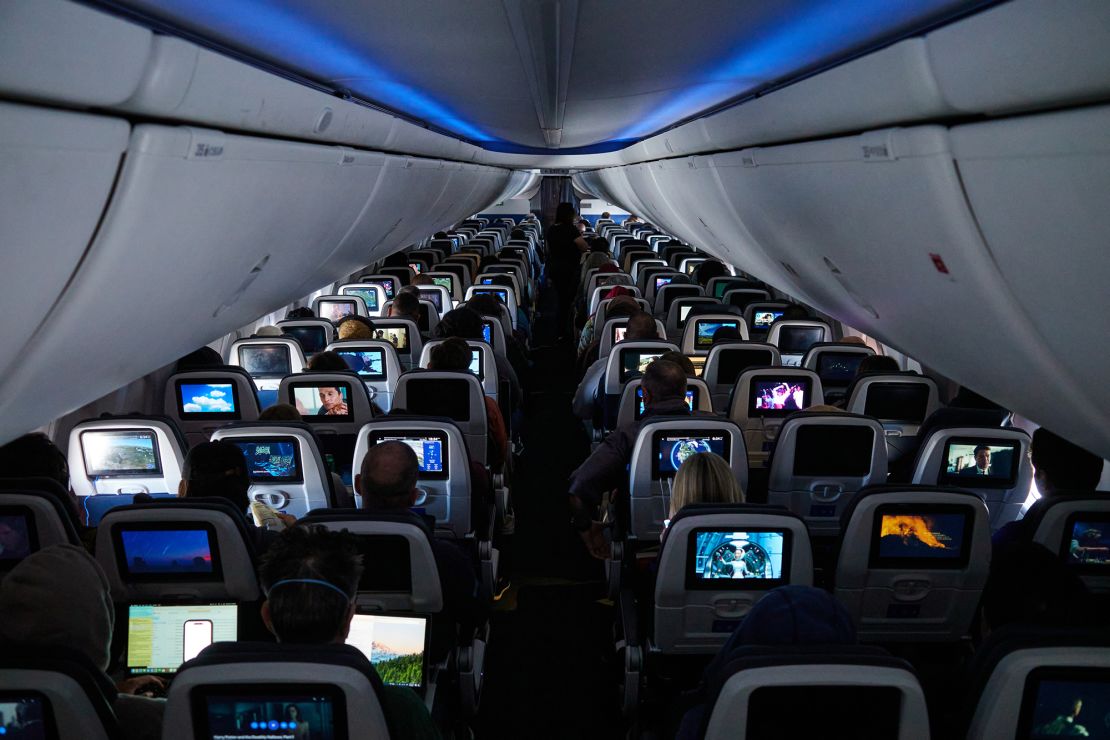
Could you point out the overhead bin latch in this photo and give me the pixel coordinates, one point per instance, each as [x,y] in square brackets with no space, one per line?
[878,146]
[206,144]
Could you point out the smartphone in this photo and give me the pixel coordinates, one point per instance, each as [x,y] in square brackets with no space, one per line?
[196,636]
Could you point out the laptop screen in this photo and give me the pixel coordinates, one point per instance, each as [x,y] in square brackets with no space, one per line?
[395,645]
[162,637]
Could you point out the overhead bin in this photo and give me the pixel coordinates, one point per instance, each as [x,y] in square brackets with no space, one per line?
[56,174]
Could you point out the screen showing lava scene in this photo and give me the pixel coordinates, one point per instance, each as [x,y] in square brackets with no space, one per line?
[930,537]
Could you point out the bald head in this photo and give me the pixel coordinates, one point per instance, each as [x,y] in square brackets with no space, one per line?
[641,325]
[388,476]
[663,381]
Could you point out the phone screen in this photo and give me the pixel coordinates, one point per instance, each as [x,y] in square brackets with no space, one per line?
[197,635]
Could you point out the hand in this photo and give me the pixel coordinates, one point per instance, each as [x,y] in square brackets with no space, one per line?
[594,539]
[288,519]
[142,686]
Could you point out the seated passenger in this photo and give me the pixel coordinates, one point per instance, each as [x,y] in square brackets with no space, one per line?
[328,361]
[304,312]
[664,386]
[487,306]
[621,303]
[877,364]
[310,576]
[405,306]
[598,257]
[641,325]
[387,482]
[708,270]
[34,455]
[465,323]
[59,598]
[219,470]
[203,358]
[454,355]
[704,478]
[280,412]
[355,327]
[681,360]
[1059,467]
[267,331]
[726,334]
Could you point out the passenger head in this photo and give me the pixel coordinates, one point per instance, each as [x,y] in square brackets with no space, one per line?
[794,312]
[681,360]
[267,331]
[406,305]
[622,304]
[355,327]
[518,234]
[439,235]
[216,469]
[1029,584]
[605,214]
[708,270]
[704,478]
[58,597]
[726,334]
[797,615]
[34,456]
[663,381]
[327,362]
[877,364]
[966,398]
[599,244]
[1060,466]
[310,576]
[388,477]
[824,408]
[641,325]
[304,312]
[853,339]
[461,322]
[564,214]
[422,279]
[450,354]
[280,412]
[199,359]
[485,304]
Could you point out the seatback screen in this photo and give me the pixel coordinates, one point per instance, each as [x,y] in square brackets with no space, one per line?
[980,463]
[444,281]
[207,400]
[368,363]
[26,715]
[838,368]
[181,551]
[872,712]
[672,449]
[316,400]
[477,365]
[334,309]
[395,645]
[723,286]
[1086,543]
[1064,701]
[161,637]
[762,320]
[386,286]
[398,336]
[635,361]
[691,400]
[798,339]
[121,453]
[927,537]
[387,563]
[265,360]
[663,280]
[906,402]
[447,397]
[778,396]
[501,293]
[369,295]
[835,451]
[698,361]
[271,460]
[432,296]
[732,361]
[271,711]
[312,339]
[431,448]
[620,331]
[704,331]
[736,559]
[18,535]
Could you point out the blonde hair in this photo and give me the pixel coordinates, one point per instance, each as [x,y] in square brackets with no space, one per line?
[704,478]
[825,408]
[354,330]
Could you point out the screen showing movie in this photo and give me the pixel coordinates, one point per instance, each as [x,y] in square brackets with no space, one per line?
[698,361]
[314,401]
[634,362]
[18,536]
[906,402]
[476,365]
[672,449]
[779,396]
[430,448]
[501,294]
[833,451]
[386,286]
[432,296]
[803,711]
[762,320]
[334,309]
[121,453]
[1065,702]
[723,286]
[180,551]
[265,360]
[26,715]
[663,280]
[199,400]
[273,712]
[395,645]
[368,363]
[722,558]
[161,637]
[838,368]
[398,336]
[907,535]
[368,295]
[619,332]
[312,339]
[691,400]
[275,460]
[1087,542]
[417,267]
[705,330]
[444,281]
[692,266]
[798,339]
[977,463]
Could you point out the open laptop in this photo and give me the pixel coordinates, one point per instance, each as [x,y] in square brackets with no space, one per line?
[160,637]
[396,645]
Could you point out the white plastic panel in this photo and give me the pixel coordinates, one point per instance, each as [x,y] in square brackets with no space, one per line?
[56,173]
[67,53]
[1039,187]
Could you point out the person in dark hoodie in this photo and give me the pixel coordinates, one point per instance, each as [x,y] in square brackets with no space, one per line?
[59,597]
[789,615]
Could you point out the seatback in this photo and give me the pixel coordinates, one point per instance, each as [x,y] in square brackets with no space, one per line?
[597,294]
[900,401]
[716,562]
[504,294]
[403,275]
[55,692]
[741,297]
[503,274]
[444,481]
[948,458]
[1077,526]
[455,395]
[697,334]
[231,685]
[718,286]
[760,317]
[661,446]
[449,281]
[372,294]
[336,307]
[600,316]
[672,292]
[689,263]
[286,467]
[680,309]
[207,542]
[726,362]
[199,401]
[485,369]
[764,397]
[646,279]
[377,363]
[632,399]
[607,280]
[461,274]
[405,337]
[391,284]
[810,691]
[268,360]
[913,562]
[626,359]
[314,395]
[820,461]
[836,364]
[37,515]
[794,337]
[438,296]
[312,334]
[613,332]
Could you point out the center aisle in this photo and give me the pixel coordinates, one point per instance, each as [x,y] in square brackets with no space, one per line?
[550,669]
